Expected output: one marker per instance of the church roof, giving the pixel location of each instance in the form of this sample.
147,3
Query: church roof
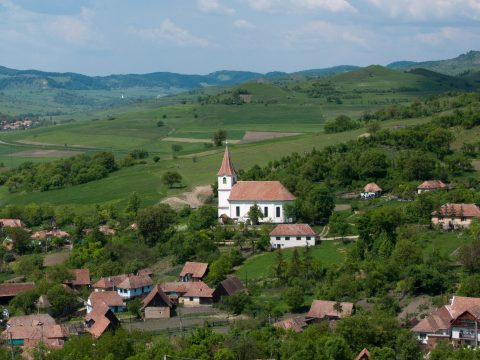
260,191
226,169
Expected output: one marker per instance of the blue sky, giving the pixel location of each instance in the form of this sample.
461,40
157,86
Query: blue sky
98,37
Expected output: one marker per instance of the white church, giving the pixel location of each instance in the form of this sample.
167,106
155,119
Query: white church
235,198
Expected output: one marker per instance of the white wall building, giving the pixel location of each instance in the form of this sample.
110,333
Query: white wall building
292,235
235,198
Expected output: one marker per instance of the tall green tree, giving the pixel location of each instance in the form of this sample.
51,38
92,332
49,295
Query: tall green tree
156,224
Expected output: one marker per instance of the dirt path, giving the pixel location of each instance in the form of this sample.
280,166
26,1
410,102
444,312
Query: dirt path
251,136
194,198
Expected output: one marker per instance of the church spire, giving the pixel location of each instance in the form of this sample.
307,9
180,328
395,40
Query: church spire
226,169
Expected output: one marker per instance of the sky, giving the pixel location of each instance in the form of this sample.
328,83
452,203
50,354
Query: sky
99,37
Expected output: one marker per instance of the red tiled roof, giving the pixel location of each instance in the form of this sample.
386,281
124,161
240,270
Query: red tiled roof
12,289
461,303
372,187
431,184
296,324
226,169
458,210
156,291
33,328
364,354
146,271
42,234
111,298
82,277
135,282
110,281
260,191
232,285
15,223
30,320
197,269
292,230
196,288
438,320
322,308
99,316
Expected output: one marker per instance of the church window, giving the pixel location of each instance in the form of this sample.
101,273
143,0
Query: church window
278,211
238,211
224,180
265,211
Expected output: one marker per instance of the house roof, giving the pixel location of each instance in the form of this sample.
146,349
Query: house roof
372,187
197,269
196,288
111,298
42,234
135,282
12,289
461,303
431,185
15,223
260,191
232,285
293,230
364,354
156,292
31,320
296,324
35,332
145,271
100,320
466,210
110,281
226,169
82,277
438,320
322,308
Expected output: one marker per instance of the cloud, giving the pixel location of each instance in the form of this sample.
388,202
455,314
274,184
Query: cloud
330,5
243,24
262,5
439,37
169,32
214,6
316,32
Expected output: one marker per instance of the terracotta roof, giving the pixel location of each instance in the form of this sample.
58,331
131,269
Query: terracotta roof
135,282
322,308
232,285
34,328
196,288
146,271
197,269
461,303
431,185
372,187
292,230
296,324
99,318
15,223
31,320
466,210
82,277
260,191
110,281
12,289
226,169
42,234
438,320
156,291
111,298
364,354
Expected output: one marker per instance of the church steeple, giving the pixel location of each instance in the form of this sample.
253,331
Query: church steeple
226,169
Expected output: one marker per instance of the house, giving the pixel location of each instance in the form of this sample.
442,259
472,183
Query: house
292,235
430,185
12,223
329,310
455,216
370,191
189,293
235,198
193,271
109,283
145,272
100,320
156,304
81,277
363,355
134,286
9,290
29,330
296,324
42,234
110,298
454,322
228,287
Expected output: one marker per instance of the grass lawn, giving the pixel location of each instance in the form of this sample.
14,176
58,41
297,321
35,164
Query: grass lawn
446,242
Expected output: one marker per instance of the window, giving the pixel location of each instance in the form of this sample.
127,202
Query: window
278,238
278,211
224,180
287,237
238,211
463,218
299,238
265,211
308,238
190,298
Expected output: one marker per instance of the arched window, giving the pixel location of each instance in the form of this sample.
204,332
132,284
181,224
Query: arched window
224,180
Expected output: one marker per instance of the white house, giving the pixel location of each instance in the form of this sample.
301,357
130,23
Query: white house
235,198
292,235
134,286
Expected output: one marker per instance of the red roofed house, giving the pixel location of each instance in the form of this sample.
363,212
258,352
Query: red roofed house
100,320
189,293
13,223
292,235
193,271
110,298
134,286
81,277
9,290
363,355
109,283
430,185
296,324
455,216
156,305
371,190
327,310
235,198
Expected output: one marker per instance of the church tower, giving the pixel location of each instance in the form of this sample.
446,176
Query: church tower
226,179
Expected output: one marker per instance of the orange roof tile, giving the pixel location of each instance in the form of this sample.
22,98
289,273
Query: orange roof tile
197,288
438,320
293,230
197,269
99,318
226,169
156,291
296,324
322,308
461,303
458,210
82,277
364,354
12,289
15,223
431,185
111,298
372,187
110,281
135,282
260,191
